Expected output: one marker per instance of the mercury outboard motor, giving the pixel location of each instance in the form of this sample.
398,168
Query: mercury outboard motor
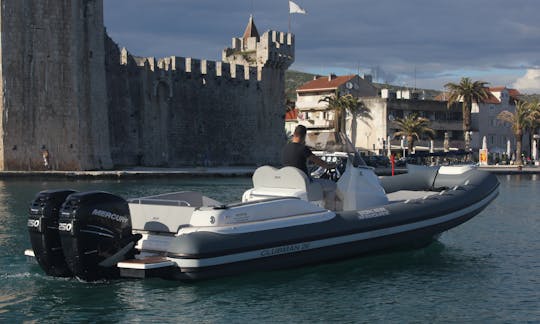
43,230
95,230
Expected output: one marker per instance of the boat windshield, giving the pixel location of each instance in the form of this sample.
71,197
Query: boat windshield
333,142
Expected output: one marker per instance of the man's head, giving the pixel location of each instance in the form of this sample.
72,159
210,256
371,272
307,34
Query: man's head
299,135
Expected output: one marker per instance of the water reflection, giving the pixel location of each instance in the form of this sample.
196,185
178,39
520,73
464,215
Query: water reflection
9,300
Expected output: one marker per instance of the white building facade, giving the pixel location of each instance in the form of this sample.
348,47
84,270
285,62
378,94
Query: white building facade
312,112
371,135
485,121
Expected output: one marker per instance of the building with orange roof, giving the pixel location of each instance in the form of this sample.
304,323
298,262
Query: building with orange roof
312,112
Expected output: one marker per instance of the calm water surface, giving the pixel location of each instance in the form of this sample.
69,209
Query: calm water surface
486,270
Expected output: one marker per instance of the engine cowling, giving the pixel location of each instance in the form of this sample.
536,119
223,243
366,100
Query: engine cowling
95,231
43,230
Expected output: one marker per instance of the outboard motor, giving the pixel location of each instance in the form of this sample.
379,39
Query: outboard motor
43,230
95,230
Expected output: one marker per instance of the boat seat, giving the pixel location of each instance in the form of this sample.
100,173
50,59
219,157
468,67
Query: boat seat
287,181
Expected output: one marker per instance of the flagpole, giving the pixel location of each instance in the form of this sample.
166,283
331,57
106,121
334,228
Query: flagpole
289,6
290,22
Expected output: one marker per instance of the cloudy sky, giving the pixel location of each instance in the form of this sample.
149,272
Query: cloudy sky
422,43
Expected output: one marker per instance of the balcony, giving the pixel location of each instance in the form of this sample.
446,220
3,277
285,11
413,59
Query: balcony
316,123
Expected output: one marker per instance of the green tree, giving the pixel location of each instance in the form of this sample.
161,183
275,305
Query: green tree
521,120
467,92
413,128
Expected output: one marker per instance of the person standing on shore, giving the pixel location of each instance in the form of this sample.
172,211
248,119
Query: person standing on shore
45,155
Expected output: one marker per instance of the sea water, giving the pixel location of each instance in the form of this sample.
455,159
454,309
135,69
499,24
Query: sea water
486,271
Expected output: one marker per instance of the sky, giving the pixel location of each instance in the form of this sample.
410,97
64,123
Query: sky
413,43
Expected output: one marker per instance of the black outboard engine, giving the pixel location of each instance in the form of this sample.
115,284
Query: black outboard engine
43,230
95,230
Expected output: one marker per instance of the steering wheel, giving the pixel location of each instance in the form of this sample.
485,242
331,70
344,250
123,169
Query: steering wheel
315,171
332,174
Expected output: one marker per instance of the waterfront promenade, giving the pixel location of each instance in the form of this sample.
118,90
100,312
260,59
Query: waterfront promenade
234,171
137,172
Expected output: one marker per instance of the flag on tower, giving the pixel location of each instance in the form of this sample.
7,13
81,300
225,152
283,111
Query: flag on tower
294,8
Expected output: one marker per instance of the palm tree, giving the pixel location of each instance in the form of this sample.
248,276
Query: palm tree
340,105
467,92
522,119
413,127
535,122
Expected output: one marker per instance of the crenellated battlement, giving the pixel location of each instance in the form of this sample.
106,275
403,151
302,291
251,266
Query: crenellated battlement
176,66
244,60
276,49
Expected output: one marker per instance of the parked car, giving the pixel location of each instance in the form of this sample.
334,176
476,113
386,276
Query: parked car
377,161
403,161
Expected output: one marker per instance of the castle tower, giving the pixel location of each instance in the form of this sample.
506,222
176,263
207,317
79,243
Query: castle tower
271,53
273,49
250,33
53,85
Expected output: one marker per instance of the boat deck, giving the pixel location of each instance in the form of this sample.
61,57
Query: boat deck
404,195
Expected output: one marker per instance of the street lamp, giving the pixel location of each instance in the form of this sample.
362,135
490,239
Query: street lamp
368,134
534,154
403,144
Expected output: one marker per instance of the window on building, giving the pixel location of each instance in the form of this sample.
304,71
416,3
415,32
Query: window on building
457,136
440,115
396,113
439,134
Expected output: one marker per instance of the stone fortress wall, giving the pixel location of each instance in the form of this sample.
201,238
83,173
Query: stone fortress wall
69,88
53,91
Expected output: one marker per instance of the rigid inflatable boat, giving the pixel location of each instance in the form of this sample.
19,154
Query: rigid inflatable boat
285,220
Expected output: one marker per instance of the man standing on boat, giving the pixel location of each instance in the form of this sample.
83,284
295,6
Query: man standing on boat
296,154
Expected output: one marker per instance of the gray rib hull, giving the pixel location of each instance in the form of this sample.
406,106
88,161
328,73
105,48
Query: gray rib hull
413,222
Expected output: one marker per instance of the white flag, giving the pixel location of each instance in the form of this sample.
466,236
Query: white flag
294,8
